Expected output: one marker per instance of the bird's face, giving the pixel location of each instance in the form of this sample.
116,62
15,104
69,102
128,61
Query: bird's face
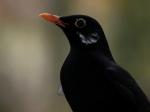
81,31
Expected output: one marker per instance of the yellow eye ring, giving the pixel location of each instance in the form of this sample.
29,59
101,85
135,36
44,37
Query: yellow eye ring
80,23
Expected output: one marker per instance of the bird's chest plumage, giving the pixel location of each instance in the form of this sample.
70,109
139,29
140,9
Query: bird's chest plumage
81,71
84,83
82,80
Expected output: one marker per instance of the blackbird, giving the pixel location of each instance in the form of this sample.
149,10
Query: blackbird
91,79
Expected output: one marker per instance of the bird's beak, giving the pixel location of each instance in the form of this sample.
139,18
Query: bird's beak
52,18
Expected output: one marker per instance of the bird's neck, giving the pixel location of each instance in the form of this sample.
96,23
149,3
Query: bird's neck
102,49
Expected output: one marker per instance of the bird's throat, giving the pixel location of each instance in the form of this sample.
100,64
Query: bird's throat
89,39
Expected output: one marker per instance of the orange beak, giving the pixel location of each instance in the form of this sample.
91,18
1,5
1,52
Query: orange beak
52,18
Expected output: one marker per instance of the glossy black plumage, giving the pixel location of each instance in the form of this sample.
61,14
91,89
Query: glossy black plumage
91,80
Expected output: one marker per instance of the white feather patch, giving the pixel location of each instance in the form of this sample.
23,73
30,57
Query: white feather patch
88,40
60,91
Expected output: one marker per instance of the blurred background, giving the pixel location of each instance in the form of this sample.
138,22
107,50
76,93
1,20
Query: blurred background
32,51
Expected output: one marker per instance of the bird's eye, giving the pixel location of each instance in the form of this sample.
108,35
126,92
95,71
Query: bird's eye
80,23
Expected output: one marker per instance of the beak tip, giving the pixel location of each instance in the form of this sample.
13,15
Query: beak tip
40,15
44,14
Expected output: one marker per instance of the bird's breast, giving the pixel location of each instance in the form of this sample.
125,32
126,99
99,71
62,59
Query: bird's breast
80,67
82,72
84,83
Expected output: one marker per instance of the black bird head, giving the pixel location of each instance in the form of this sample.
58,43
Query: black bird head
83,32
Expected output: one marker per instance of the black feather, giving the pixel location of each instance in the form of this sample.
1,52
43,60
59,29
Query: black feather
91,79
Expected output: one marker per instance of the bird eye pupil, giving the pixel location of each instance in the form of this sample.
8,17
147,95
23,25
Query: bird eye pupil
80,23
